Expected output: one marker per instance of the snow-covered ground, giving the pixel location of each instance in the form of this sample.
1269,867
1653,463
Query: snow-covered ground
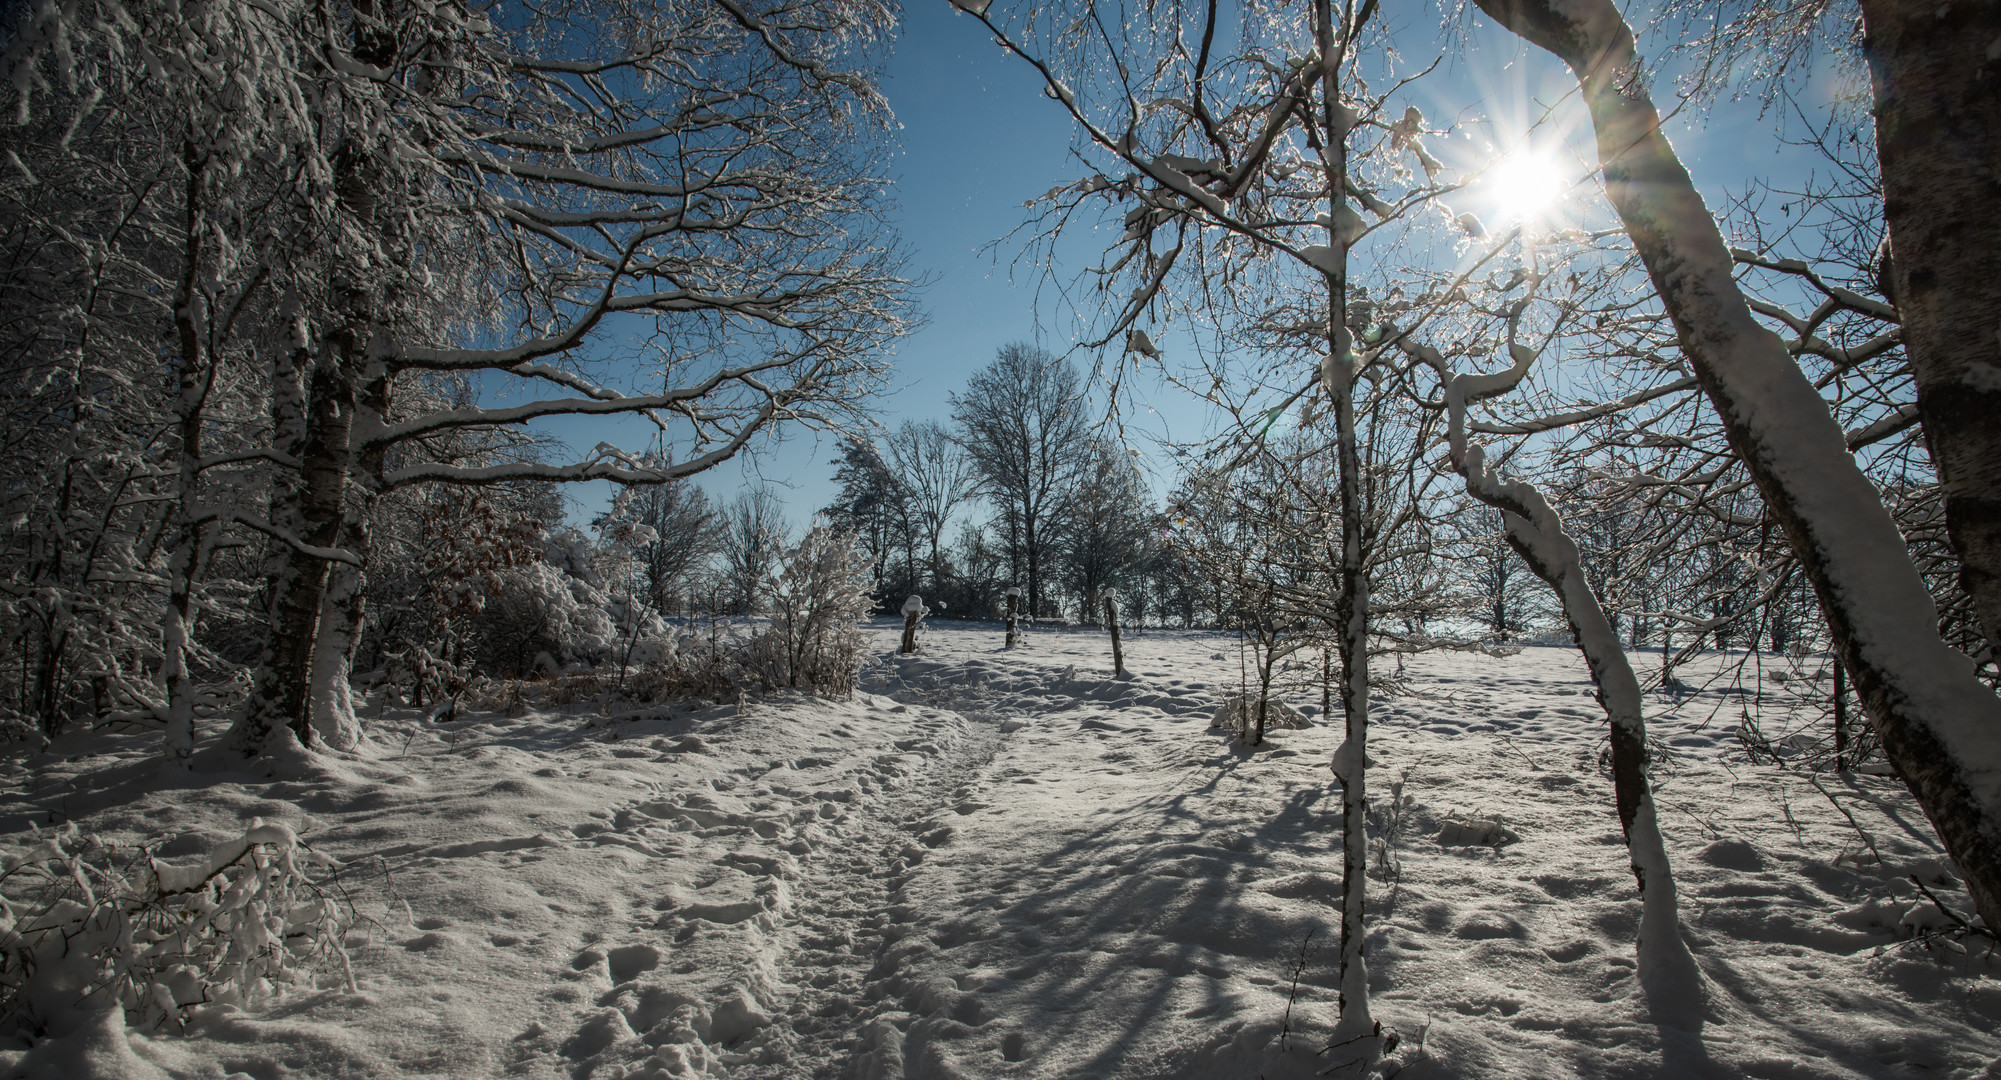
1009,864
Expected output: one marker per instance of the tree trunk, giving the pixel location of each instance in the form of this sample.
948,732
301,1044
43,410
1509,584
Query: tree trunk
1267,662
1034,567
1668,974
1013,625
1933,69
334,719
196,375
1112,621
313,512
294,670
1357,1023
1840,718
1935,718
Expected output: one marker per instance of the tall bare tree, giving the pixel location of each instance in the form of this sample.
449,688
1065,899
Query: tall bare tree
753,537
936,477
1022,421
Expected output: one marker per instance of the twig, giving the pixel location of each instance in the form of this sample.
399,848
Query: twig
1299,965
1857,826
1786,806
1511,745
1695,817
1967,927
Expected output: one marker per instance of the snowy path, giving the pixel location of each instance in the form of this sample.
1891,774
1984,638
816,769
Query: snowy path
1079,918
1008,866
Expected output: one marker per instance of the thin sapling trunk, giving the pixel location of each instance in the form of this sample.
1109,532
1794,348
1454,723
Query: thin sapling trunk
1112,621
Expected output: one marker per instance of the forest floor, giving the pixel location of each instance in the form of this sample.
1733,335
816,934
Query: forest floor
999,864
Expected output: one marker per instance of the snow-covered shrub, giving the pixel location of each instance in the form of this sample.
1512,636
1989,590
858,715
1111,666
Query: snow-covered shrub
427,676
1239,713
542,608
696,669
814,638
84,925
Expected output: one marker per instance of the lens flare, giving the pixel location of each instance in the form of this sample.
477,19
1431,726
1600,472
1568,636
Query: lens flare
1524,185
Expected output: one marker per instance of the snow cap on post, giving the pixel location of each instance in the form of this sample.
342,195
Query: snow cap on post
914,605
1013,590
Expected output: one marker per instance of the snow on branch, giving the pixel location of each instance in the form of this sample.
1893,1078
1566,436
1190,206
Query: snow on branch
84,922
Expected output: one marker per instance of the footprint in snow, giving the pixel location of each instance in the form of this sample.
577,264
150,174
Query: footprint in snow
628,962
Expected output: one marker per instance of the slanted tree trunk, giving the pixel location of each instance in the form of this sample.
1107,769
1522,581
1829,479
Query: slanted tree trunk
1934,69
1937,721
1668,973
1840,718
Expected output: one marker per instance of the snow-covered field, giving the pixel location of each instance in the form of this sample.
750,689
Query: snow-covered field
1008,864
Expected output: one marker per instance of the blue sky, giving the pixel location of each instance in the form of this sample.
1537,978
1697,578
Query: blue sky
978,139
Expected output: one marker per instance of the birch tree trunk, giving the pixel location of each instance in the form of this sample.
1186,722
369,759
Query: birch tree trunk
311,510
298,669
1940,726
1668,974
334,719
1938,144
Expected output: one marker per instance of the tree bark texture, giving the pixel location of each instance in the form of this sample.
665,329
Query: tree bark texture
1936,73
313,511
334,718
1840,717
177,625
1940,726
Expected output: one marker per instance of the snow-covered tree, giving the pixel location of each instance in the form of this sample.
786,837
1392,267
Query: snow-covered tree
393,202
1933,715
871,504
813,639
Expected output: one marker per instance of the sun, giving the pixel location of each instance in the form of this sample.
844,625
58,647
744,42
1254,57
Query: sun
1524,185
